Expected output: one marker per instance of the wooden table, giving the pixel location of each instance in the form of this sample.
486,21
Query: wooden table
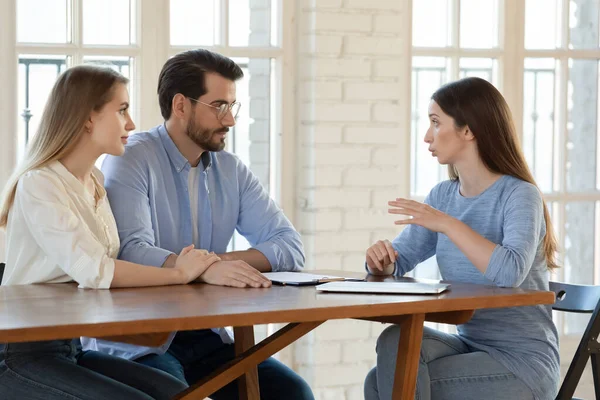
46,312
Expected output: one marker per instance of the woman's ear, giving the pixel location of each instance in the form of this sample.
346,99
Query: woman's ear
89,125
467,134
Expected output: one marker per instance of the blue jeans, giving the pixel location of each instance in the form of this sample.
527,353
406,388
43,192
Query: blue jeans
448,370
195,354
59,370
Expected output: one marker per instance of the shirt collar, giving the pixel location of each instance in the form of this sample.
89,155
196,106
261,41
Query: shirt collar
58,168
177,159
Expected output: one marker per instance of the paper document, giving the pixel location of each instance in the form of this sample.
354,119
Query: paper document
384,287
303,278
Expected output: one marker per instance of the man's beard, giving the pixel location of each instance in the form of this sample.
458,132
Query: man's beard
204,137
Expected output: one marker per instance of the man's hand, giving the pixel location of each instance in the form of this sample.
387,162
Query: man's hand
235,274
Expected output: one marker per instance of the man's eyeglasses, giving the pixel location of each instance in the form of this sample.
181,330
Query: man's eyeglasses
223,109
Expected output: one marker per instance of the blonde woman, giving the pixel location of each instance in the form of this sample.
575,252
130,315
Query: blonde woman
60,228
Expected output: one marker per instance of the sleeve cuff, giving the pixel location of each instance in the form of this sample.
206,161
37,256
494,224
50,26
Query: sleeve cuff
493,268
154,256
109,273
273,254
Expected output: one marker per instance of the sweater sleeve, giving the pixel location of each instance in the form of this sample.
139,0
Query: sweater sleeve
524,230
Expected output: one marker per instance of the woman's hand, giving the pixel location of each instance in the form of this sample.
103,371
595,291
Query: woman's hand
192,263
380,256
420,214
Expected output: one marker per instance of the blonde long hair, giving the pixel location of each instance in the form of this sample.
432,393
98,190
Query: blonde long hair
77,92
476,103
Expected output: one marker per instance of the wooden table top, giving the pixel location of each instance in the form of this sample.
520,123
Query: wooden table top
55,311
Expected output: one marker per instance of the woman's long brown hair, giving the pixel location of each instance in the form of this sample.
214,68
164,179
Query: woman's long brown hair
476,103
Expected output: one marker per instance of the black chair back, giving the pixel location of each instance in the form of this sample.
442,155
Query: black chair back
575,298
580,299
2,265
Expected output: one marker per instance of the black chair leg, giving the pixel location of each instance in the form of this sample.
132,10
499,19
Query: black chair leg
595,359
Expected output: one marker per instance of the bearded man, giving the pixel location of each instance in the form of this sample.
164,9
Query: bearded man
176,186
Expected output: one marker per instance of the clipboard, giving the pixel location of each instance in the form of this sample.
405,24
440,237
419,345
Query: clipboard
303,278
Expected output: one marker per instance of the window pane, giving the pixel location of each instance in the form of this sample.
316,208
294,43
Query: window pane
428,74
542,24
540,142
582,126
431,26
251,139
36,76
120,64
579,255
485,68
194,22
583,24
479,24
43,21
107,22
251,22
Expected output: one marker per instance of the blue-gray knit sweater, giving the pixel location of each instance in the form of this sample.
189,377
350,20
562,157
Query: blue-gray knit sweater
510,214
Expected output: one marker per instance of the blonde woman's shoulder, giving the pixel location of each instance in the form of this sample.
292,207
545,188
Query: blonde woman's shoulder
41,179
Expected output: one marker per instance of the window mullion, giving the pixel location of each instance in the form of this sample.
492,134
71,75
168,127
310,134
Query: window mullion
77,31
8,94
455,39
154,40
223,26
511,64
560,164
564,25
455,23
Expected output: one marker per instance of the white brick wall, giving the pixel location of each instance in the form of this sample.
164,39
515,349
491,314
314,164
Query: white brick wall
350,129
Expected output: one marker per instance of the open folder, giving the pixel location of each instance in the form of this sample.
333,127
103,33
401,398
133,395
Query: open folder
303,279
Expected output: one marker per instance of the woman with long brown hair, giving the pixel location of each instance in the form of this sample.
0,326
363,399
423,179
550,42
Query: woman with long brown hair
487,225
60,228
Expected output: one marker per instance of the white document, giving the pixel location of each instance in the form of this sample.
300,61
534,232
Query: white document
384,287
302,278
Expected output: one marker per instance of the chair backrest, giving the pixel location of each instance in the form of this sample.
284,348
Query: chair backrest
580,299
2,265
575,298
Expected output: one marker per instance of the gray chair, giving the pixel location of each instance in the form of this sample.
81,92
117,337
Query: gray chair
580,299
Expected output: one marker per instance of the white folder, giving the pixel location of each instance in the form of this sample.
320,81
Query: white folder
384,287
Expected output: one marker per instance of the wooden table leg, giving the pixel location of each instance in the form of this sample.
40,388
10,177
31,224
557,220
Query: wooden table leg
407,361
247,361
247,383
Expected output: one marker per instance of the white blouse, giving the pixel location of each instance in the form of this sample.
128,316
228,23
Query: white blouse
57,232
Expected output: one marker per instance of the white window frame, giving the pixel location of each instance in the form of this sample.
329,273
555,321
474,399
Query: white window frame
150,51
511,54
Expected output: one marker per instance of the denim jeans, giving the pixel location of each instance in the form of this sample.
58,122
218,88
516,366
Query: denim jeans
59,370
195,354
448,370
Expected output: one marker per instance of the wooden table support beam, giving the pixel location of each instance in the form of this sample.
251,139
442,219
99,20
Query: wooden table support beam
248,360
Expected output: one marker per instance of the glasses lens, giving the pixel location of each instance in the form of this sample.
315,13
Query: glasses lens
223,109
235,109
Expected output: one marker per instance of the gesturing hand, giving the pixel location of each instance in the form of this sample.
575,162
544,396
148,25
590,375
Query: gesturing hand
420,214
